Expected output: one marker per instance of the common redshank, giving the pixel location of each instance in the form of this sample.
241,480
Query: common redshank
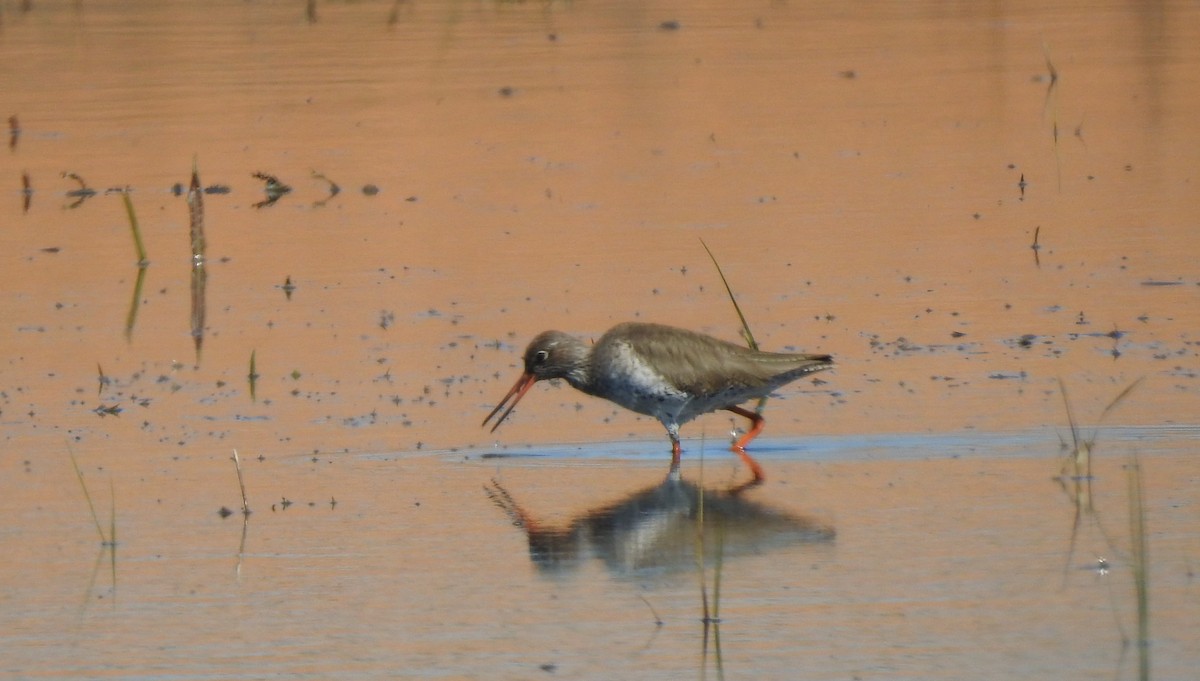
666,372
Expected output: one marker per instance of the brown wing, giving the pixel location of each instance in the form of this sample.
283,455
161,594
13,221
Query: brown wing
702,365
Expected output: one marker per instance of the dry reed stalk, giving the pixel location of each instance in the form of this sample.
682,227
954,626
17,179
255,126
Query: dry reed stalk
195,201
237,463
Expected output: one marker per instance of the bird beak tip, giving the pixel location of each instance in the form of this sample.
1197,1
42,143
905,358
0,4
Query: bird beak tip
523,384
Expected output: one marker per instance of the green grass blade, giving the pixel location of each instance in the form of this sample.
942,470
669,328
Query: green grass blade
745,327
746,332
133,226
135,303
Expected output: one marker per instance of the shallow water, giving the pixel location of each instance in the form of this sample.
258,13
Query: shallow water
872,182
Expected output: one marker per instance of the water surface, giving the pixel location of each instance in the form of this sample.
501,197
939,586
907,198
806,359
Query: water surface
873,181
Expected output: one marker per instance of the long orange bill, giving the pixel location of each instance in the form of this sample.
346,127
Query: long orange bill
522,386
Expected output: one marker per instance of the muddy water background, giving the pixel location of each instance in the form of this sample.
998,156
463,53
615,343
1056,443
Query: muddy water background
857,171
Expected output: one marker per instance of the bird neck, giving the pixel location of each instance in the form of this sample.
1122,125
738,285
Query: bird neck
579,372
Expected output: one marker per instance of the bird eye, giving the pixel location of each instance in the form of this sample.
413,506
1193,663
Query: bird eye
541,356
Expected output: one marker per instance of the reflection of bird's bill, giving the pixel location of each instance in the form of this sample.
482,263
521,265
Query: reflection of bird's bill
522,386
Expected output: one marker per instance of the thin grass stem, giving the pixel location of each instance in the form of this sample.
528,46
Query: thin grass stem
749,336
133,227
237,463
86,495
1140,561
746,332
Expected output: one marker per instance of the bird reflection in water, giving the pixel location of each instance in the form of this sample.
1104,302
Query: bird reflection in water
654,529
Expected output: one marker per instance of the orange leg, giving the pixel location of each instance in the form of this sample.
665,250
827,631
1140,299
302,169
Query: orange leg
757,424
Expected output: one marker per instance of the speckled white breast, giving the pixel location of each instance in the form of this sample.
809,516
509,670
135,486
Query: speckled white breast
632,383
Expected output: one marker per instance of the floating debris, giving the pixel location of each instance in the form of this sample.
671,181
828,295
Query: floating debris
273,188
1007,375
178,189
334,189
108,410
26,192
14,132
288,287
82,193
